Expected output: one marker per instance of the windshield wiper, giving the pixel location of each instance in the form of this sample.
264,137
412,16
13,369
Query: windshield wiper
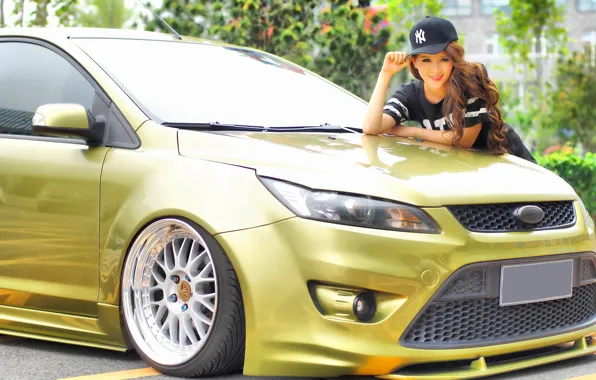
325,127
217,126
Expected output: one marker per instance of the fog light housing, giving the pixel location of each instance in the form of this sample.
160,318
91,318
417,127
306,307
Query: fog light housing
364,306
348,304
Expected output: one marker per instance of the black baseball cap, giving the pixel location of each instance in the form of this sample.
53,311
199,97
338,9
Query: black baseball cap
431,35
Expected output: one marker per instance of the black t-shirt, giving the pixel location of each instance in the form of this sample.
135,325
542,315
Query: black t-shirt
410,103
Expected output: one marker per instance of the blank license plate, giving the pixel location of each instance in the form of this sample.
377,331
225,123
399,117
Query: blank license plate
527,283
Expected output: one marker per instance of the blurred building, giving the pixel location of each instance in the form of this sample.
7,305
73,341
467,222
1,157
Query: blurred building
474,20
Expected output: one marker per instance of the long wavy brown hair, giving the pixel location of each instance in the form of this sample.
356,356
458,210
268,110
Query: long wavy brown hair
470,80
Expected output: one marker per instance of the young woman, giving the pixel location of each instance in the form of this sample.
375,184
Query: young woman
453,100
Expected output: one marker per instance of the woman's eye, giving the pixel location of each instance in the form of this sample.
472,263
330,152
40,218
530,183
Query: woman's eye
445,60
426,60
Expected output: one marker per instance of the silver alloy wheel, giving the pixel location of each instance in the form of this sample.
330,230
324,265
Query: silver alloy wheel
169,292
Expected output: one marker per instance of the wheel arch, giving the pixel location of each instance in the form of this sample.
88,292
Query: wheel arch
230,293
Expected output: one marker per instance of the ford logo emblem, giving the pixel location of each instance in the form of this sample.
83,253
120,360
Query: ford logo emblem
529,214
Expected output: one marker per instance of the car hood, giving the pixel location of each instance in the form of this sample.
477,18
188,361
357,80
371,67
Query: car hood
423,174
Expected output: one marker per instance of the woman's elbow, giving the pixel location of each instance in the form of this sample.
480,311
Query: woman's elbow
469,136
465,142
367,129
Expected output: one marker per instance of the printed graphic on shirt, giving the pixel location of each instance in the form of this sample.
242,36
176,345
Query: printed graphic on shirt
409,103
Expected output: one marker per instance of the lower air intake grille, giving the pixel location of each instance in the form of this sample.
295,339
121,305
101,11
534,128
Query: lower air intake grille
478,321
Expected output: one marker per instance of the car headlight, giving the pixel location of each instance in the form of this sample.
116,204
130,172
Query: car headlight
356,210
587,218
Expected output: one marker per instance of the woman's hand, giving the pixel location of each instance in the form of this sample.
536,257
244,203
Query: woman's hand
395,62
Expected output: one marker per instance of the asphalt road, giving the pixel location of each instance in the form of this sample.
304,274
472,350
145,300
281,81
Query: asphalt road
25,359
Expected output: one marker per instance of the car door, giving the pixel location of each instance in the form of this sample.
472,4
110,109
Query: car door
49,186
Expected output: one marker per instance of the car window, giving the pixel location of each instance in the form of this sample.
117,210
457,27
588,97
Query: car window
32,75
182,82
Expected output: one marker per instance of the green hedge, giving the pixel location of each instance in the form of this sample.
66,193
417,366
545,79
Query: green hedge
578,171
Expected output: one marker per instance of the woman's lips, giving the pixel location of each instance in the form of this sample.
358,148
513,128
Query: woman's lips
436,78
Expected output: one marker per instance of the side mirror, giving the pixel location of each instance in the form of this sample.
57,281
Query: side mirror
69,120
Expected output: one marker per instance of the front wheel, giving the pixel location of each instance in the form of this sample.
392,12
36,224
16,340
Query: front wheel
182,306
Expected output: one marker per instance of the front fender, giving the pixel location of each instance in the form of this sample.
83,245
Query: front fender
139,186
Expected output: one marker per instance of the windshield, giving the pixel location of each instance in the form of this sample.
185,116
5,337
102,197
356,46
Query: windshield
199,83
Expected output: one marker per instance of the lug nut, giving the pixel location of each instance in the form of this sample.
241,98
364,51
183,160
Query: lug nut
184,307
173,298
176,279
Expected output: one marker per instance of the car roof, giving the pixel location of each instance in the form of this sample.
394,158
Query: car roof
64,33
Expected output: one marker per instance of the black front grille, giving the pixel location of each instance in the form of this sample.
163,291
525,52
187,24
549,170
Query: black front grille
452,323
499,217
465,311
471,283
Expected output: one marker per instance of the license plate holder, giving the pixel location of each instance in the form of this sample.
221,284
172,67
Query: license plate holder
536,282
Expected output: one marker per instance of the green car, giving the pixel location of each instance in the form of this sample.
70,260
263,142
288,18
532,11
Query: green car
217,209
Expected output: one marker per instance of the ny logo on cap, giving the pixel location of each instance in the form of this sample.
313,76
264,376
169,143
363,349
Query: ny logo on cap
420,36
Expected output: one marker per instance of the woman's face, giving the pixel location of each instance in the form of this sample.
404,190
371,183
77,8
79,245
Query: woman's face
434,69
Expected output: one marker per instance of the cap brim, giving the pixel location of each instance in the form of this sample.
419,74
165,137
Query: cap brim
429,49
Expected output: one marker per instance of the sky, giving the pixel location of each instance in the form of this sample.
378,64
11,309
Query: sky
52,21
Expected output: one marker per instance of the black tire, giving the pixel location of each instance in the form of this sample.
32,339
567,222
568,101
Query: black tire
223,351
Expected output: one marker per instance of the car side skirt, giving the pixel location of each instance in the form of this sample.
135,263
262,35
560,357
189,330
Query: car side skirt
102,332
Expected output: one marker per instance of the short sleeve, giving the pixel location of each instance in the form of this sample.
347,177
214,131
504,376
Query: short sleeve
475,112
397,105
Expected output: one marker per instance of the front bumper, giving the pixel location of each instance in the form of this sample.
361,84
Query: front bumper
288,336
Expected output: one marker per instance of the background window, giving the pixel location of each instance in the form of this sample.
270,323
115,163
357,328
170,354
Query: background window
487,7
589,38
457,7
544,46
586,5
492,44
32,75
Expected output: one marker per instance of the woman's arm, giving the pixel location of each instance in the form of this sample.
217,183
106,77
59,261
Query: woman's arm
376,122
441,137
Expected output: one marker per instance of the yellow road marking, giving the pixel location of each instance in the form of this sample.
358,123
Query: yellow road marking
120,375
586,377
